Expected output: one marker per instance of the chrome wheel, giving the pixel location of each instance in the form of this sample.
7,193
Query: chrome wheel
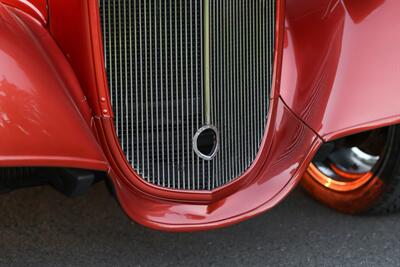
351,162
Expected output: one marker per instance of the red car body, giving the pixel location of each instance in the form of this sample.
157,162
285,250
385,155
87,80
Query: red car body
336,73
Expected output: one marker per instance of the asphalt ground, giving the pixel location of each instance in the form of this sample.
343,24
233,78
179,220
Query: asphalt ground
40,227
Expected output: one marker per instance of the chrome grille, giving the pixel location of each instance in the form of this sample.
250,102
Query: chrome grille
155,60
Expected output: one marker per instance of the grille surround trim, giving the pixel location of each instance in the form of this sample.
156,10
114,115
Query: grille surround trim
223,185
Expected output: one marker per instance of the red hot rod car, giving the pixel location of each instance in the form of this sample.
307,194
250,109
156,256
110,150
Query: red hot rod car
201,114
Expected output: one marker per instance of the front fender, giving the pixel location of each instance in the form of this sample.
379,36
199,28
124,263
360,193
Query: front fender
44,117
341,65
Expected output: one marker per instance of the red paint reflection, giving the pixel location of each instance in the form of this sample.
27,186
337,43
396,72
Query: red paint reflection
361,9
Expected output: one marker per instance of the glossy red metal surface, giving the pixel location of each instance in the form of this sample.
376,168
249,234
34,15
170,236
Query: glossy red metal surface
340,70
71,28
44,118
35,8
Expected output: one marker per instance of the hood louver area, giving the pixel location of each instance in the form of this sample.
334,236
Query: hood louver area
177,67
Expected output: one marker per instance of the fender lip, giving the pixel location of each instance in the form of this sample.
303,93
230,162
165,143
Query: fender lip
293,146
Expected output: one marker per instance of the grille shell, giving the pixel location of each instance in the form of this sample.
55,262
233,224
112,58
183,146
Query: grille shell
154,57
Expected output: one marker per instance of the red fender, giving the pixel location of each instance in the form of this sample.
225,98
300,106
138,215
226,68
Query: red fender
44,117
341,59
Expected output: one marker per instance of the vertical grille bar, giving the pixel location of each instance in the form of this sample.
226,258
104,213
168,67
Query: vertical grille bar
155,63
